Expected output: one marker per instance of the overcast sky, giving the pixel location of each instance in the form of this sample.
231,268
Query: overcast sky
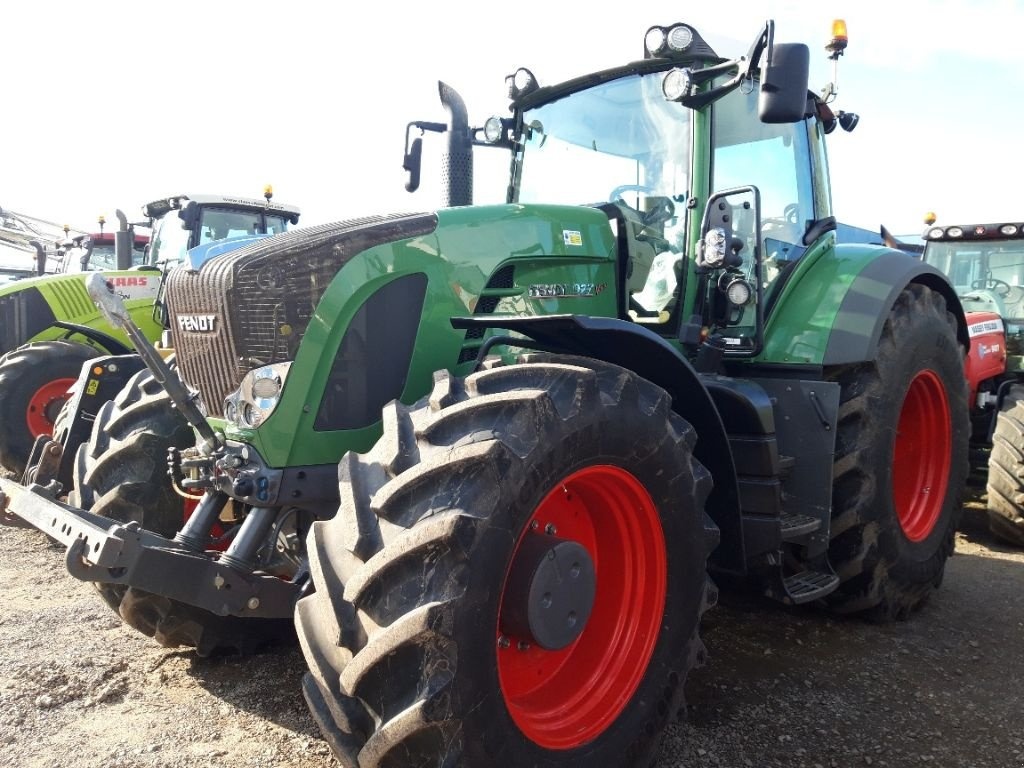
110,104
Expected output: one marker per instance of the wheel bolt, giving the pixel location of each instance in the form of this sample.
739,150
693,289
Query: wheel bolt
503,642
522,645
550,529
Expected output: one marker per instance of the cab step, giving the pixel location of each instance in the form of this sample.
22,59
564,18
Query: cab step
807,586
795,526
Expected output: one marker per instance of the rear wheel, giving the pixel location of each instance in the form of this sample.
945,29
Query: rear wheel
34,383
901,461
121,473
518,568
1006,470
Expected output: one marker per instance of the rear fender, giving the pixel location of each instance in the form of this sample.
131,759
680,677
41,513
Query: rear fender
833,310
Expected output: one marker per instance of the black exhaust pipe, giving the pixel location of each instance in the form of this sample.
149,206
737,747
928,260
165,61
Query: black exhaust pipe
124,241
457,162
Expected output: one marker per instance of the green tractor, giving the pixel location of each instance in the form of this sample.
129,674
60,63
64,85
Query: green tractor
487,456
985,263
49,327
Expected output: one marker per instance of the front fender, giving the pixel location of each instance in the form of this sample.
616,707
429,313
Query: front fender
651,357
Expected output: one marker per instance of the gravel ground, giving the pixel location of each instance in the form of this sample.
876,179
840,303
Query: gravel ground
783,687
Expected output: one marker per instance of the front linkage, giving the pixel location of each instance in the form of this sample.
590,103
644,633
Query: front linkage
106,551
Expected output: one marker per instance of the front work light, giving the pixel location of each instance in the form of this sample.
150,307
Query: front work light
676,84
679,38
494,130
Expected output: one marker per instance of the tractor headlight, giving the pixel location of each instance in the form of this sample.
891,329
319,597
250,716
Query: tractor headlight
257,396
654,40
736,289
494,130
679,38
676,84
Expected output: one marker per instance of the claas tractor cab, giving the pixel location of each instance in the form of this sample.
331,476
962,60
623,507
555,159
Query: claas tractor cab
985,264
102,250
486,457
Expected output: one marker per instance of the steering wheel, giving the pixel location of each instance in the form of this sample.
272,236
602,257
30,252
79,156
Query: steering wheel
790,217
616,194
657,214
1001,287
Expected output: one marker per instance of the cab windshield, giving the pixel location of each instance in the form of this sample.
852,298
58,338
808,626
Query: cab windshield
170,240
983,272
617,141
221,223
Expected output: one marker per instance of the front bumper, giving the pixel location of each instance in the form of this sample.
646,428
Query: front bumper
111,552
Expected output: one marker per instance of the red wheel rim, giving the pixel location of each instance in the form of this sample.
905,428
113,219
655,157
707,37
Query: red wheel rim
921,456
45,404
565,698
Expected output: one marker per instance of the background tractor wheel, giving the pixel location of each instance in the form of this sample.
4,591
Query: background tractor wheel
1006,470
121,473
517,568
901,462
34,380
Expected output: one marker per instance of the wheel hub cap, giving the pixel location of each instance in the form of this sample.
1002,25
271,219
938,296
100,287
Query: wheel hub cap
550,592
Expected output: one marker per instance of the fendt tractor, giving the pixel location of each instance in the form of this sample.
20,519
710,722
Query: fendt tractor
49,328
985,263
487,455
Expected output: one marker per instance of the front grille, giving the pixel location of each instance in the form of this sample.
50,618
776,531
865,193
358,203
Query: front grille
263,296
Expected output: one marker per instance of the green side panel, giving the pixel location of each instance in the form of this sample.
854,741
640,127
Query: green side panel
69,301
563,246
805,314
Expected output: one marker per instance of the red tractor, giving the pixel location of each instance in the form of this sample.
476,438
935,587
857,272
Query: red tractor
985,263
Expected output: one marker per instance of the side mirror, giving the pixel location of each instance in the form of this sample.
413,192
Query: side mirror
411,163
784,76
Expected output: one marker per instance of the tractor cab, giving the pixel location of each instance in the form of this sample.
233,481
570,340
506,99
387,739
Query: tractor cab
712,173
985,263
203,219
203,226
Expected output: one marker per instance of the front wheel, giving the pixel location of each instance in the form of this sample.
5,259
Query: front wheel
518,568
121,473
901,461
1006,470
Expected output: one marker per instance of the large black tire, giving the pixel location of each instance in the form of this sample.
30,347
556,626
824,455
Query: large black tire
402,634
121,473
33,381
1006,470
901,462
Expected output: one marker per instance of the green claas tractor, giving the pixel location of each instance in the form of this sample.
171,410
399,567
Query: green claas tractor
49,327
488,455
985,263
